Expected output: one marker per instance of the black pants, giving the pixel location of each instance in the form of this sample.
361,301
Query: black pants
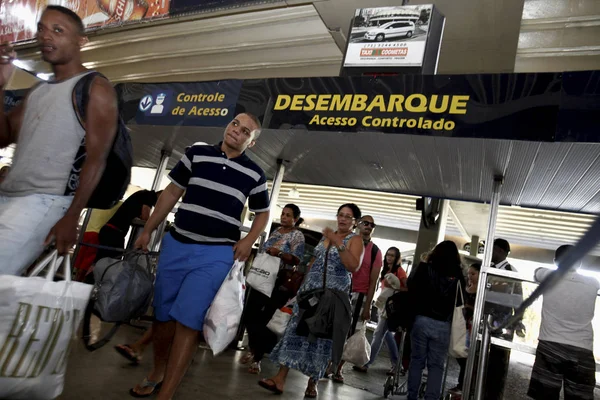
497,371
356,313
259,311
462,363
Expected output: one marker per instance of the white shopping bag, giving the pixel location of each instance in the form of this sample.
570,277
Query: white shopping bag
39,319
458,334
223,317
263,273
357,349
281,318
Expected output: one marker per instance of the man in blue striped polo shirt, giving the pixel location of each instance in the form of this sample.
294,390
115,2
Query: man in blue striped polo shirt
196,256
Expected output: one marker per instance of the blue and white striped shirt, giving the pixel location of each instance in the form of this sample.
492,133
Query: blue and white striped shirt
216,191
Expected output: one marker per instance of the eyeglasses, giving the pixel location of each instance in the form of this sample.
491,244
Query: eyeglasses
345,216
367,223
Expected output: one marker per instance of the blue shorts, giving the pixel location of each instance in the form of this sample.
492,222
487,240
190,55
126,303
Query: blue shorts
187,280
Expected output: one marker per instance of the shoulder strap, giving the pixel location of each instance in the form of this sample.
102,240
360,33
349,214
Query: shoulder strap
374,250
81,95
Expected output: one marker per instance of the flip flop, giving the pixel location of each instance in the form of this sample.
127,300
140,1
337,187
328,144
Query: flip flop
146,384
271,387
127,351
311,394
338,378
254,368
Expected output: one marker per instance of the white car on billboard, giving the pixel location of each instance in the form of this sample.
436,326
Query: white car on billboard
391,30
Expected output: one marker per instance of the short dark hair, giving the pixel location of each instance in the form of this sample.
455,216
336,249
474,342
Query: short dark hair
72,15
502,244
561,251
355,210
476,266
255,119
295,209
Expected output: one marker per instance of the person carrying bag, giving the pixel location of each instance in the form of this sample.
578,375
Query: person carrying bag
39,319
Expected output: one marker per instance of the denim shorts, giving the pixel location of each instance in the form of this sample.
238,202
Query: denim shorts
188,278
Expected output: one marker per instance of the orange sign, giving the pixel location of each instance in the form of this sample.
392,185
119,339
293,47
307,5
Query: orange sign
19,17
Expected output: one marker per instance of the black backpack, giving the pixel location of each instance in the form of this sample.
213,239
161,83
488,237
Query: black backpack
117,173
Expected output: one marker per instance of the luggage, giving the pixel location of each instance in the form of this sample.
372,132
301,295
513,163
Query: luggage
39,319
117,173
224,315
263,273
357,349
398,311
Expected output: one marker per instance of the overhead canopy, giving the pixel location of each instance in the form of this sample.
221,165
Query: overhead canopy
491,115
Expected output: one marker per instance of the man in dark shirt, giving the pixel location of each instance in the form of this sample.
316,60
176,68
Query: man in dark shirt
198,253
138,205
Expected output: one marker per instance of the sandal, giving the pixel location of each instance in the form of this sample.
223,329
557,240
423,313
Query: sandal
247,358
338,378
127,351
271,387
362,369
311,390
146,384
254,368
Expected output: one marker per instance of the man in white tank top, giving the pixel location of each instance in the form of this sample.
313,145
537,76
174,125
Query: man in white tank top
34,207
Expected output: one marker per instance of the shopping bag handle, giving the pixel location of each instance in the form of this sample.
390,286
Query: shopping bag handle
52,261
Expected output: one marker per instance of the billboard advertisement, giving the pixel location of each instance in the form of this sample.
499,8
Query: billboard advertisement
20,17
388,36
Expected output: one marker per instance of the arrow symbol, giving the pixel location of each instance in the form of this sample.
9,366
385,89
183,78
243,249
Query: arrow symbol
146,102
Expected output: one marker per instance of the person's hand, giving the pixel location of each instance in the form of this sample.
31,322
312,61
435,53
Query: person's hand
142,241
331,236
520,329
366,314
273,251
7,55
64,233
242,249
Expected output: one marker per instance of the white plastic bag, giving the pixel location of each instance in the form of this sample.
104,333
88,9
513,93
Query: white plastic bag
281,319
357,349
39,319
263,273
223,317
458,334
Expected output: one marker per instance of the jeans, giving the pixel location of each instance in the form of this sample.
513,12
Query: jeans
25,221
430,340
382,333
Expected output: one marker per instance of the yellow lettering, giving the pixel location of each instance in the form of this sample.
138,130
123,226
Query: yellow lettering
359,102
395,103
323,102
378,101
366,121
339,103
297,103
283,102
221,97
180,96
310,102
314,120
459,104
433,104
420,107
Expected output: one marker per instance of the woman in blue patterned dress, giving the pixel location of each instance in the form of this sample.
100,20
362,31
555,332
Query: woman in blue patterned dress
294,351
287,244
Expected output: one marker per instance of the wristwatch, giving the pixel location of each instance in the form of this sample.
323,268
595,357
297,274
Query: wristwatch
279,254
342,248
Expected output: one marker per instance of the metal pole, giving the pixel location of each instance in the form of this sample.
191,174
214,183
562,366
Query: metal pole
162,167
483,358
277,180
479,301
86,220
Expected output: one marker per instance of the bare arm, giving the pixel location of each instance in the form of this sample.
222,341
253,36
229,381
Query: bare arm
100,131
10,123
243,248
351,257
165,204
373,280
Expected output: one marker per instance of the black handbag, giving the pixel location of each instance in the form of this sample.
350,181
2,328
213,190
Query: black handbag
308,303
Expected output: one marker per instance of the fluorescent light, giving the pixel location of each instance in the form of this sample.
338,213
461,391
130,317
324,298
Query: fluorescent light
20,64
43,76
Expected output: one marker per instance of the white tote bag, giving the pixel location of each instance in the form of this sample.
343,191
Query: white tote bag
263,273
224,315
281,319
458,335
39,319
357,349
